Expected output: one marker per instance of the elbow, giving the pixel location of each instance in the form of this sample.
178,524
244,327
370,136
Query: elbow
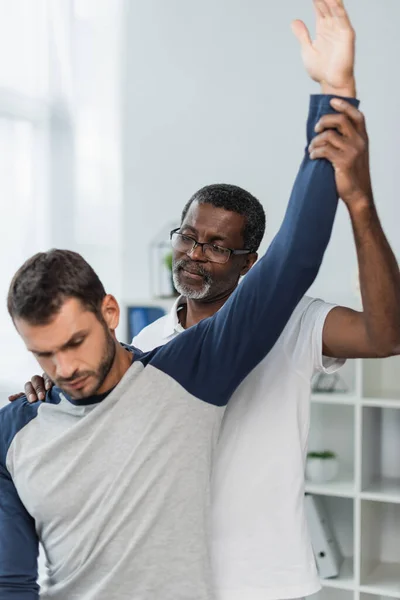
387,349
394,347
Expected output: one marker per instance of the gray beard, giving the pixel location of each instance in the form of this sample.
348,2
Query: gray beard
186,290
189,292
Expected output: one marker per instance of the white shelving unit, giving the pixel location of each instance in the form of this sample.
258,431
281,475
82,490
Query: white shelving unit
362,425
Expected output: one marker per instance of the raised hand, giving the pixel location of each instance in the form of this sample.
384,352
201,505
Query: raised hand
329,58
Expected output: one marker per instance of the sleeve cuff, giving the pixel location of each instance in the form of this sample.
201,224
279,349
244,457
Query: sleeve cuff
322,101
322,363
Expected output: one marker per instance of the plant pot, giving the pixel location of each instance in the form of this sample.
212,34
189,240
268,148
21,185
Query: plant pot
321,470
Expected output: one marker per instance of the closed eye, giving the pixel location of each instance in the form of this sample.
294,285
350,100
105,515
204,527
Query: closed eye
69,345
219,249
187,238
75,343
42,354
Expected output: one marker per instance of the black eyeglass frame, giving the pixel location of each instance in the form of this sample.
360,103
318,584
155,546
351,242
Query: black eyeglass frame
202,244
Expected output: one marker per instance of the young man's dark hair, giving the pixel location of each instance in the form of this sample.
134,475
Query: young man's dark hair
46,280
234,199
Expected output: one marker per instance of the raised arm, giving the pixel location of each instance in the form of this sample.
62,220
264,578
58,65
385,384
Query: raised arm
375,331
19,545
218,353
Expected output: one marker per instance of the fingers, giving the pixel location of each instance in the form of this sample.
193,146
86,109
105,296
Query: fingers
34,389
39,386
30,392
351,112
48,384
338,11
339,122
321,9
330,137
14,397
302,34
327,151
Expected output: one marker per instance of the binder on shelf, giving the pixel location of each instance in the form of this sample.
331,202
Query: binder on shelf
326,550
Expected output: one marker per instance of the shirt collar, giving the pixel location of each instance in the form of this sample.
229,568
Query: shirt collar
171,324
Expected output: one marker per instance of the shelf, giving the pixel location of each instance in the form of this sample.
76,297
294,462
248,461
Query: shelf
380,551
384,580
381,378
373,596
381,402
332,428
333,594
382,490
334,398
343,487
345,579
362,426
380,452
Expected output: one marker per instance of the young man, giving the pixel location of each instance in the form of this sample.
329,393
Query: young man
201,279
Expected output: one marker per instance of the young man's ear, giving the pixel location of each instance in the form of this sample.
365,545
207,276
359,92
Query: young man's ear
110,311
250,260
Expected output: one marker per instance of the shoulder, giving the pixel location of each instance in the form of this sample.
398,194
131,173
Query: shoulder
14,417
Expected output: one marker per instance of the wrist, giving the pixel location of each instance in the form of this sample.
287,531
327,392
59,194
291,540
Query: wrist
345,91
360,205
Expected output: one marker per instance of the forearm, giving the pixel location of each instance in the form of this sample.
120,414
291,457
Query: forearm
379,279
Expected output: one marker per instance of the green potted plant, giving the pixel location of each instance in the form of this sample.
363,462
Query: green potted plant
321,466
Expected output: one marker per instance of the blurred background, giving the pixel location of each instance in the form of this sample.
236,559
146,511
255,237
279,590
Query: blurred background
114,112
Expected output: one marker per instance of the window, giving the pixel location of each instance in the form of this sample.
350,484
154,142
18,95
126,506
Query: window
24,46
24,162
60,182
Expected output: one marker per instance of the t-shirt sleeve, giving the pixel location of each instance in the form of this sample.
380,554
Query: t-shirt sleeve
304,339
321,363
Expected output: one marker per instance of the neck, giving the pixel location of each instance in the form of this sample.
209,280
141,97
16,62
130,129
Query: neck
122,362
197,310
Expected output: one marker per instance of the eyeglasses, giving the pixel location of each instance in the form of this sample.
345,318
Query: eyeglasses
213,253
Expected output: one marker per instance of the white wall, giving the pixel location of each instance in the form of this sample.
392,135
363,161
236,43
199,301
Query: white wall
216,92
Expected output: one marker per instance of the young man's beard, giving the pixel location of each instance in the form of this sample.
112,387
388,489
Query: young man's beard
101,372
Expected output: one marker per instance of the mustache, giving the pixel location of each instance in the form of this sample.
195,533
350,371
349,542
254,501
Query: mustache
193,267
73,377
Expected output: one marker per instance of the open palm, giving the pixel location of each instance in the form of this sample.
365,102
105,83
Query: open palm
330,57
